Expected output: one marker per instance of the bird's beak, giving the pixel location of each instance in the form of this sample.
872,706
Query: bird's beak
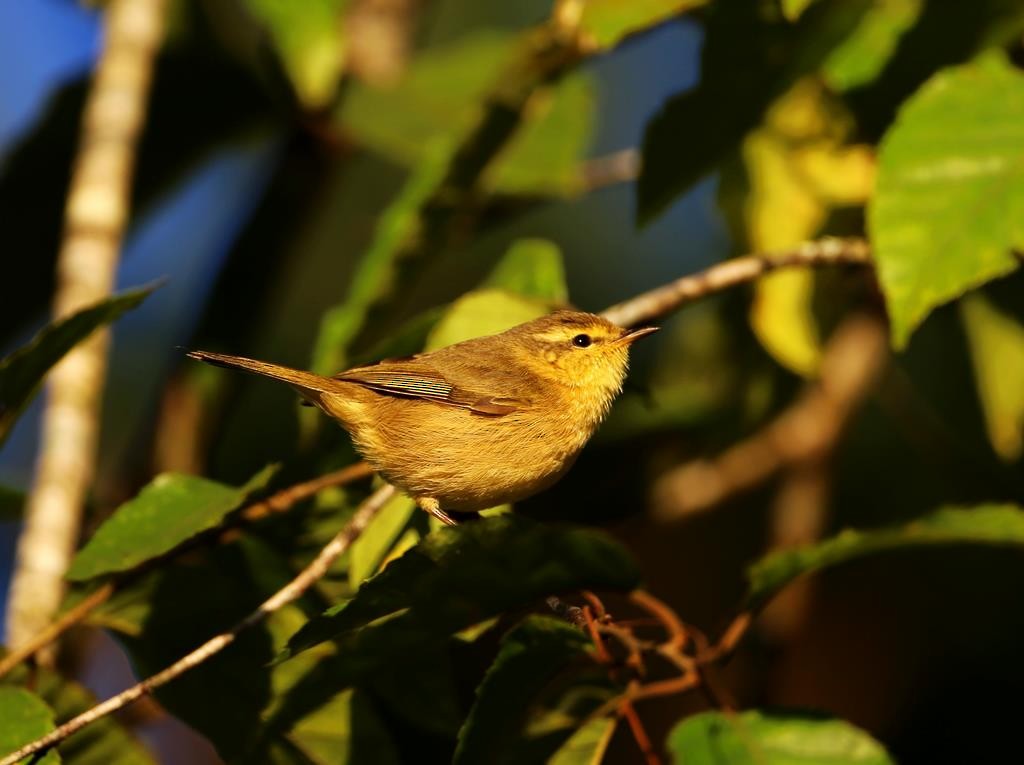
635,334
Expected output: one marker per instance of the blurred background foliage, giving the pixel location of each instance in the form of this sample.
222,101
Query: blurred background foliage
329,181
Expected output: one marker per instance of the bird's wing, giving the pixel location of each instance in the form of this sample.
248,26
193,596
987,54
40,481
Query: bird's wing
411,380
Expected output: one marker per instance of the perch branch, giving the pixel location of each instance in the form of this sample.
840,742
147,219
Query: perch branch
276,503
95,218
294,589
667,298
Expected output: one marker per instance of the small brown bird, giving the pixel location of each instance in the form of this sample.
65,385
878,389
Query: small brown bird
480,423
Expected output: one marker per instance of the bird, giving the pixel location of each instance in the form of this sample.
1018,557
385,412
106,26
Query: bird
480,423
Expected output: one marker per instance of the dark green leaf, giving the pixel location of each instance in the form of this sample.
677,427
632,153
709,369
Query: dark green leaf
12,503
761,738
949,204
22,371
24,717
171,509
697,129
462,575
987,524
542,685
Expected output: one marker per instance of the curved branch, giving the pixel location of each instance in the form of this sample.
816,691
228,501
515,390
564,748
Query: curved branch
667,298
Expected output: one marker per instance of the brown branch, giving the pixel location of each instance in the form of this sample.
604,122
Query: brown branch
283,500
96,215
669,297
804,433
294,589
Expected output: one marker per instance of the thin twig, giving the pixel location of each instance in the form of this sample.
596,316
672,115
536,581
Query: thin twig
669,297
96,215
366,512
276,503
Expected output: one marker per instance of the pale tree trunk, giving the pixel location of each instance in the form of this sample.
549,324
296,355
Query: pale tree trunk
95,219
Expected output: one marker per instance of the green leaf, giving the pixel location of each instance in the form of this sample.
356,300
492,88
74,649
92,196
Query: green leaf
483,312
607,22
531,268
587,746
12,503
695,130
542,685
986,524
996,342
768,738
22,371
862,57
441,98
24,717
170,510
309,39
462,575
948,210
372,546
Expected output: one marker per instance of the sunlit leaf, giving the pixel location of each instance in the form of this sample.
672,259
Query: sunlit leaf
372,546
22,371
986,525
696,129
860,58
170,510
483,312
460,576
996,342
762,738
309,39
24,717
587,746
949,208
531,268
796,168
606,22
542,684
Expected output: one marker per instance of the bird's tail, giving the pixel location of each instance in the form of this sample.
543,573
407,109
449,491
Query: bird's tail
309,385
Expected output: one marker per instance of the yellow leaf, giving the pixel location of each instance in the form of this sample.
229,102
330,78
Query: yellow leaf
798,166
996,343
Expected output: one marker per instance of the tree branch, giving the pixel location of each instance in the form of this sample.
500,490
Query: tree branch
295,588
95,220
669,297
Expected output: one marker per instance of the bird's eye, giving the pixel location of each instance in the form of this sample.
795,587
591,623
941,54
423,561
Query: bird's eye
581,341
